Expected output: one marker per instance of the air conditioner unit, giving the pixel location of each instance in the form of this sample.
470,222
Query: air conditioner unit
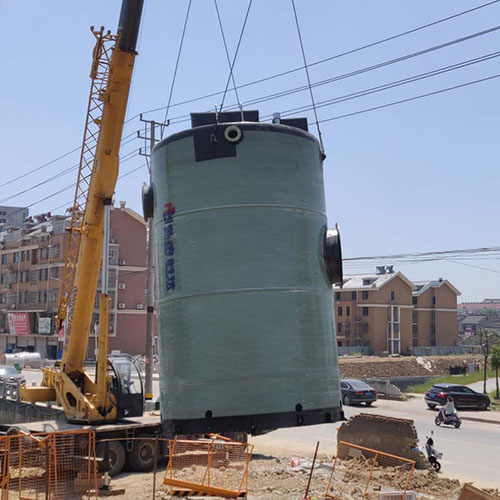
121,305
121,286
122,262
139,306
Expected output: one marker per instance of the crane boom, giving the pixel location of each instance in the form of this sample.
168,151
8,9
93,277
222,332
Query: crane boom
111,74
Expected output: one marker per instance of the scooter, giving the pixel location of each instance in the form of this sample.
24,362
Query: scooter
442,418
432,454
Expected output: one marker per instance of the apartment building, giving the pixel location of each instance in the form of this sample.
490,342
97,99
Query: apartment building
31,267
12,216
386,312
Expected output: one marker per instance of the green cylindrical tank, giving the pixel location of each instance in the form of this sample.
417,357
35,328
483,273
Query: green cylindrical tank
244,300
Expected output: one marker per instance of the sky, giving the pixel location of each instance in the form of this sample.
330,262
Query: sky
416,177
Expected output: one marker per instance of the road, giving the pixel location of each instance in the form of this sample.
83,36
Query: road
470,453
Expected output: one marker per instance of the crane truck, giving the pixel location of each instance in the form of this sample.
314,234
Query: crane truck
111,403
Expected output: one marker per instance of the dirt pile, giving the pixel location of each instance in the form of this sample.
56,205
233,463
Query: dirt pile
272,478
407,366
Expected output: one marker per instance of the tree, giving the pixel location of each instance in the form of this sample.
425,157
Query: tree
487,339
495,363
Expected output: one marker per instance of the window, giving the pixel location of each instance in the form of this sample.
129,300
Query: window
337,295
392,296
339,311
54,251
25,276
354,295
364,327
16,256
365,295
339,327
23,256
347,311
414,317
414,300
43,274
3,278
33,277
434,300
42,296
365,311
54,272
5,259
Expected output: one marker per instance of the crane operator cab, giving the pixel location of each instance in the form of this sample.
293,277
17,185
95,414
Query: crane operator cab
126,386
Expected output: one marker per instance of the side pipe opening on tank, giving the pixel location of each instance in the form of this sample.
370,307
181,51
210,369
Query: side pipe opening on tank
332,254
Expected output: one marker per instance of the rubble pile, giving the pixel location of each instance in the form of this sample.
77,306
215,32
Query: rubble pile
404,366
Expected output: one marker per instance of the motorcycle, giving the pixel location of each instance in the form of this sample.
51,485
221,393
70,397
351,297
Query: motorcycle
442,418
432,454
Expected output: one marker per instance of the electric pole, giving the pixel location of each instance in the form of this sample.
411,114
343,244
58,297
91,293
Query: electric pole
150,318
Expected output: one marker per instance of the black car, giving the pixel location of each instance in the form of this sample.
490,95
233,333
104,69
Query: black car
463,397
356,391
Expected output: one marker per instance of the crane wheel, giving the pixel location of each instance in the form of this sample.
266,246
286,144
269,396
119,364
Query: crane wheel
142,456
117,456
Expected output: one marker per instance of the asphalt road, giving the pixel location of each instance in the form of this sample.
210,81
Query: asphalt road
470,453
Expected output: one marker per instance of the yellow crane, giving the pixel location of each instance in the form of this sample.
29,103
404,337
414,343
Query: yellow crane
112,395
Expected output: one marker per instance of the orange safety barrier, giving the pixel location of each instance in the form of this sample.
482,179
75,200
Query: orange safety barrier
360,467
54,466
214,466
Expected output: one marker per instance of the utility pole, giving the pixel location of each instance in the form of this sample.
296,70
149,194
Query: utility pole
150,318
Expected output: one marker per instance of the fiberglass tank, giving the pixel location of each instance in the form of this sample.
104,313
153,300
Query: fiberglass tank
244,267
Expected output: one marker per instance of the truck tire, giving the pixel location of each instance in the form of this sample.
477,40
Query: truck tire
142,456
117,456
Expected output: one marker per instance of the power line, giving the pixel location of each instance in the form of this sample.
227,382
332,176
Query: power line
271,77
386,86
330,58
22,176
288,92
53,178
414,98
460,251
70,186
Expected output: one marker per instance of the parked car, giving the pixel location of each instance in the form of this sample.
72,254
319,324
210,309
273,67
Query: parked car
10,374
463,397
356,391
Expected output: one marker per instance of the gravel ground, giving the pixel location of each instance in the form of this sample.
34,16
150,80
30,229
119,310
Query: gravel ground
272,478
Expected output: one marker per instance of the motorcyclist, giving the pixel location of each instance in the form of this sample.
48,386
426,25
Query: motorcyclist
449,409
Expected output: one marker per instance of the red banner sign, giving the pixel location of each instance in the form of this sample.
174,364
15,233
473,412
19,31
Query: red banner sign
19,324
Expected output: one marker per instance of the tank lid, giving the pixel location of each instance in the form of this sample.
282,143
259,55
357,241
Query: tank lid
200,119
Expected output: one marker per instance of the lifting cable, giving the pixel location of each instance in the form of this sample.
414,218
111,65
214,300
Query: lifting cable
231,74
308,79
176,67
231,66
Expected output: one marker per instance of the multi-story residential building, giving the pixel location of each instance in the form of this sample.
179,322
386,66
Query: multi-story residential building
31,267
387,312
487,305
13,216
434,320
